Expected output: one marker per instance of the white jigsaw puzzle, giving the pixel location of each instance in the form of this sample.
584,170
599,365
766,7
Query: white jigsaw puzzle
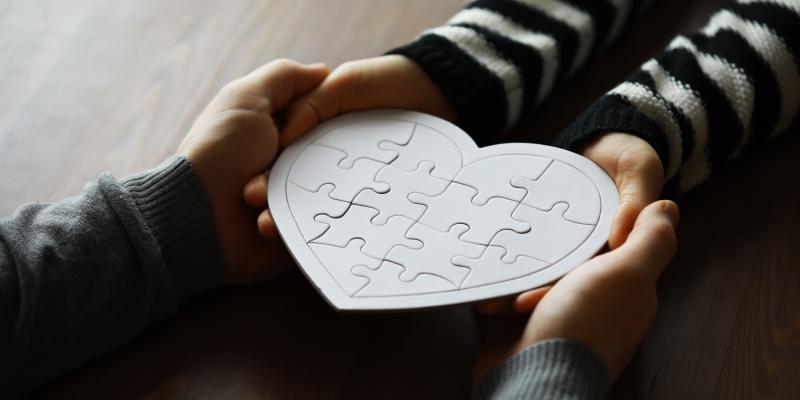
562,183
346,182
361,143
544,224
489,267
427,144
385,281
402,183
342,260
388,210
309,204
455,206
357,223
428,259
488,186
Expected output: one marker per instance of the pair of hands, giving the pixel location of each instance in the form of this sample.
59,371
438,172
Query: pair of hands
607,303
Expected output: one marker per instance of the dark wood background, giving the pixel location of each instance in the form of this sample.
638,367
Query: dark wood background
90,85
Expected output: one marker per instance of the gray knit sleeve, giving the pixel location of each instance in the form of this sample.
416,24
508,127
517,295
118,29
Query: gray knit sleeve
84,275
553,369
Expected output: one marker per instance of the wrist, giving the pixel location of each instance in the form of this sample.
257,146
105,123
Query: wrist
432,98
175,207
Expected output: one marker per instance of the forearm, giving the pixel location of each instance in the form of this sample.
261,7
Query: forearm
82,276
709,96
498,58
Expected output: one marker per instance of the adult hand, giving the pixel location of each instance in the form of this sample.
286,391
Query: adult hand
636,170
607,304
234,139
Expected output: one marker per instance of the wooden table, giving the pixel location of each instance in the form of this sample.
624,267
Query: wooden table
91,85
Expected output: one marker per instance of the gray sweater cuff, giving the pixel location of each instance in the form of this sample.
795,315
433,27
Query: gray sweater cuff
553,369
175,207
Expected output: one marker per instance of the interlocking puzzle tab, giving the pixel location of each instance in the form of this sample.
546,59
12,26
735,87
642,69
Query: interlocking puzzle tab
391,208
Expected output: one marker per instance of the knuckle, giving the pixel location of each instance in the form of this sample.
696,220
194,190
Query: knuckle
230,88
284,63
313,109
243,121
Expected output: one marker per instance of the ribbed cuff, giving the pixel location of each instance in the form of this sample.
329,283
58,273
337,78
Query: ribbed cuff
613,114
175,206
478,96
553,369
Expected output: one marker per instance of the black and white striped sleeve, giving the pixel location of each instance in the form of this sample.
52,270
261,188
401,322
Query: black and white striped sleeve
496,58
709,96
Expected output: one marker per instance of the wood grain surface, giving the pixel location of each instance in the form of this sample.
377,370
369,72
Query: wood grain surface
90,85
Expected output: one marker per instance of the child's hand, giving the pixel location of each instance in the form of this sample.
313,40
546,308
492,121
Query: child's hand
636,169
607,304
382,82
234,139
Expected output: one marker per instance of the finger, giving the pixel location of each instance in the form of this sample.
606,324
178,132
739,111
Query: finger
640,181
266,225
623,222
281,81
255,190
382,82
527,302
652,242
520,304
639,186
503,305
319,105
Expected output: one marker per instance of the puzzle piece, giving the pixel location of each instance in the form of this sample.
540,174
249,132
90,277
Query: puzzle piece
482,175
360,140
429,145
385,281
551,236
563,183
318,165
489,268
356,223
341,260
307,204
402,183
430,258
455,206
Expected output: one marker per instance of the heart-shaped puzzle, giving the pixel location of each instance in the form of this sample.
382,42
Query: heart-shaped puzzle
398,210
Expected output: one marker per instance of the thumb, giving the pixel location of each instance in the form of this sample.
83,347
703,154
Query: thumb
636,169
652,242
635,193
353,86
391,81
282,80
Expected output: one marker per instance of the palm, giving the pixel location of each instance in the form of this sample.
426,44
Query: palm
235,139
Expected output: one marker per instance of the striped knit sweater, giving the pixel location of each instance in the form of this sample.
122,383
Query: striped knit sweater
710,95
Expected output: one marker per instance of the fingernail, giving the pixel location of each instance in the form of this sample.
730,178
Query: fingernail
673,213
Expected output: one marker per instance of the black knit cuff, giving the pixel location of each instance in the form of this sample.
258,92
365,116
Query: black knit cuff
553,369
478,96
175,206
613,114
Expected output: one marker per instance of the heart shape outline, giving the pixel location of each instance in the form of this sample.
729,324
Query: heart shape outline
338,298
